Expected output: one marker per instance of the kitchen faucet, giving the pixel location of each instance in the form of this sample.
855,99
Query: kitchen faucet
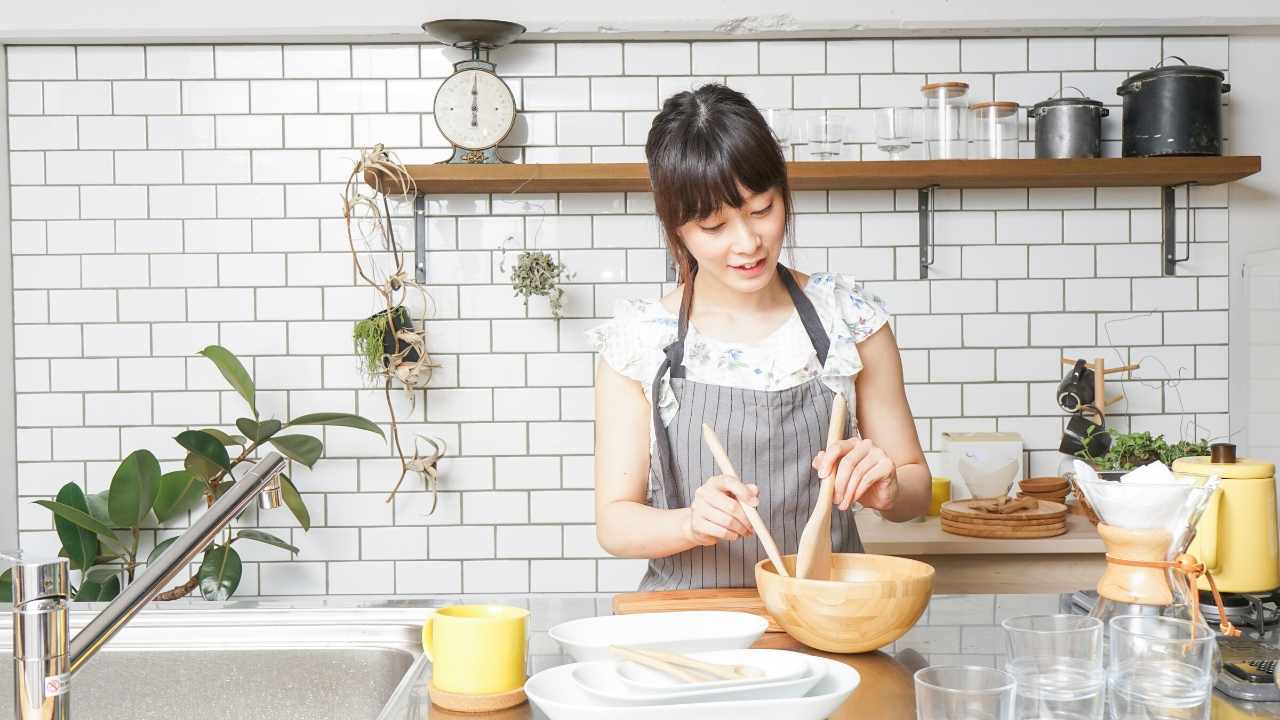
43,660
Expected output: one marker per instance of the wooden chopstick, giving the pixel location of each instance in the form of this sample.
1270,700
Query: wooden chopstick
724,672
674,671
757,523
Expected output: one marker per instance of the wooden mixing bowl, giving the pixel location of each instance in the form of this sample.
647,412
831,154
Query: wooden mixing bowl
870,600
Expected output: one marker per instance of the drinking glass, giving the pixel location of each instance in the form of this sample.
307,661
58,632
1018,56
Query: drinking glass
964,692
780,123
893,130
1057,663
1161,667
825,134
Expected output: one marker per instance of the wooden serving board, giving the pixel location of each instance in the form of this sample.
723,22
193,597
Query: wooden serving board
996,521
964,509
733,599
1004,532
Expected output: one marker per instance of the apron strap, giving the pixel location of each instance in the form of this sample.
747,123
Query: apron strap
673,362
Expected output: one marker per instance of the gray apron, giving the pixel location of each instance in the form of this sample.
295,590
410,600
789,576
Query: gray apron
770,436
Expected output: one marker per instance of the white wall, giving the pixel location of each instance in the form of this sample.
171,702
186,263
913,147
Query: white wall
169,197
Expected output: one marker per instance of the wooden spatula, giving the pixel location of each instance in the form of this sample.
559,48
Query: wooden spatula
813,559
757,523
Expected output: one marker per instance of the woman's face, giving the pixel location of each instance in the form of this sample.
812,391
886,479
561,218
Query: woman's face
739,246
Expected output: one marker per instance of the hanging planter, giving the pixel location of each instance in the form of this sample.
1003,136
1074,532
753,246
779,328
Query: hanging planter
383,346
537,273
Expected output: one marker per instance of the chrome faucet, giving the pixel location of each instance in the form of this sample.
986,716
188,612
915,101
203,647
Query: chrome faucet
43,660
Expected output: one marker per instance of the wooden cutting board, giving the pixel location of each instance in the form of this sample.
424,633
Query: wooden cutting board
996,521
732,599
964,509
1004,532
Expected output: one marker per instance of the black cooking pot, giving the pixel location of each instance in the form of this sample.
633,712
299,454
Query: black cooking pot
1068,127
1173,110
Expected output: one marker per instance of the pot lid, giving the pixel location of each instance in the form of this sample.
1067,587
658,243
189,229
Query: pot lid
1241,468
1162,70
1067,102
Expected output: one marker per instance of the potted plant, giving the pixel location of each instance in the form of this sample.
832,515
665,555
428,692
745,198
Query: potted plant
384,340
1130,450
101,533
537,273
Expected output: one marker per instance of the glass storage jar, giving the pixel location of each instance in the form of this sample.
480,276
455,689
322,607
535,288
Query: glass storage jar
993,129
943,112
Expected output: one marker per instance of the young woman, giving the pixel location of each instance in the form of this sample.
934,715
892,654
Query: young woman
751,348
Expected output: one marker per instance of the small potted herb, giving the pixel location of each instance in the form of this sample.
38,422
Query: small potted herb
537,273
1134,449
379,342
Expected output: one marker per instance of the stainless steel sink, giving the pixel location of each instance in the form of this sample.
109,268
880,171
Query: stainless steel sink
238,660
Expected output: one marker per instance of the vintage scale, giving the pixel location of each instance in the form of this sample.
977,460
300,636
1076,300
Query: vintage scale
474,109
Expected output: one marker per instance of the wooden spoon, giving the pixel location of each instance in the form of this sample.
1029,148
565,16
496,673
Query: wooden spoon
757,523
813,558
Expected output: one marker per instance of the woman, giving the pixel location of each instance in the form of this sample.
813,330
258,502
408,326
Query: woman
758,356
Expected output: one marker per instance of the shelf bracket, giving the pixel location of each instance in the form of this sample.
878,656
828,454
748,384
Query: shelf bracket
925,209
1169,228
420,237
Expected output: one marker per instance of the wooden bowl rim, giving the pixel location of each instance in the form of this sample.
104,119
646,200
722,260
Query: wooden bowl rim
926,571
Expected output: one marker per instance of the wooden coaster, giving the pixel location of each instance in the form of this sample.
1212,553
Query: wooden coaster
1003,522
964,509
459,702
1043,484
1010,533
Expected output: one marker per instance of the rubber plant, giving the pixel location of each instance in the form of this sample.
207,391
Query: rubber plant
100,533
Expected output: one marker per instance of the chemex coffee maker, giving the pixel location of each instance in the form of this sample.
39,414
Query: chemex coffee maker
1237,537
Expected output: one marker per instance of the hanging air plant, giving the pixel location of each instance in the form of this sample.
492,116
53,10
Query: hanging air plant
537,273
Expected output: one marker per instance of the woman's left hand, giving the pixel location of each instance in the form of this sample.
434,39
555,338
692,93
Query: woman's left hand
864,473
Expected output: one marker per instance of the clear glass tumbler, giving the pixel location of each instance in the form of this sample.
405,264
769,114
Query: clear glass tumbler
780,123
894,128
1161,667
825,136
964,692
1057,662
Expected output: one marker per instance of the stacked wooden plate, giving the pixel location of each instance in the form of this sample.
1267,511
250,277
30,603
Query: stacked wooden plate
961,517
1053,488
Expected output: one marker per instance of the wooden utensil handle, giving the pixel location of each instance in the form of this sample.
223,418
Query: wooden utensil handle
753,517
724,672
839,416
671,669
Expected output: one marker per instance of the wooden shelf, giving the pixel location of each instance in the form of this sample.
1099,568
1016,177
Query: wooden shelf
849,175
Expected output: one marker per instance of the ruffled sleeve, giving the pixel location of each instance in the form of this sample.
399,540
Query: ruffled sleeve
632,342
850,314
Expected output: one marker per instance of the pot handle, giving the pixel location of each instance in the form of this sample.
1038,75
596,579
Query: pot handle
1103,112
1226,88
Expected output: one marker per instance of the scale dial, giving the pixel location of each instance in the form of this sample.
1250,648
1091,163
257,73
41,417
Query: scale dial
474,109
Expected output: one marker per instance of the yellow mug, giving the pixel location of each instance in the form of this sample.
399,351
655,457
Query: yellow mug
940,495
476,649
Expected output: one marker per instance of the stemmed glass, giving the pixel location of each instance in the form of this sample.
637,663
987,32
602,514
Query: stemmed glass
893,130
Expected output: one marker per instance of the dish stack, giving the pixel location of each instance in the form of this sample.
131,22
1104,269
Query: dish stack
984,518
1053,489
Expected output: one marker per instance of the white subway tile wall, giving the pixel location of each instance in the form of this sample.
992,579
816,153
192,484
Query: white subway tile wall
168,197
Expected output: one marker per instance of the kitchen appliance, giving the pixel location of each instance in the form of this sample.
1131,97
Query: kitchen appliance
943,120
1237,539
474,109
1068,127
993,129
1173,110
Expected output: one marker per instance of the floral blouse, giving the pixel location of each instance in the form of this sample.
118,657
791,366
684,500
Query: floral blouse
632,344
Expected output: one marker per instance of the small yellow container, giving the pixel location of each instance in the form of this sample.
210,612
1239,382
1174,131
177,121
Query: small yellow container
941,495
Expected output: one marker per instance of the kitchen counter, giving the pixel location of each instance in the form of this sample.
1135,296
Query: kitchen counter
1064,563
960,629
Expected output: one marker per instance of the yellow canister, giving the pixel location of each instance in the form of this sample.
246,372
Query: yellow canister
1237,537
941,495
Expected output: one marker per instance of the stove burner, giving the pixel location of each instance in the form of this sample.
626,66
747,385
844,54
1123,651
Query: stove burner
1247,611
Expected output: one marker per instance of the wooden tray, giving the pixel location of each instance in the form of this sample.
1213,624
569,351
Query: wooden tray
964,509
1003,522
733,599
1004,532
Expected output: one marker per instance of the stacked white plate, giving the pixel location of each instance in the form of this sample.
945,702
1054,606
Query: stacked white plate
787,684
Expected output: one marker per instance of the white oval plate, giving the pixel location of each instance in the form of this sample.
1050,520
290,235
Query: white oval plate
589,639
774,665
601,681
556,694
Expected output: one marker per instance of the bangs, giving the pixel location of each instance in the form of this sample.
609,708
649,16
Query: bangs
704,173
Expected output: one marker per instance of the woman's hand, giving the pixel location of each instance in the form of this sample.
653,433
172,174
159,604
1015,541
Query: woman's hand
864,473
715,514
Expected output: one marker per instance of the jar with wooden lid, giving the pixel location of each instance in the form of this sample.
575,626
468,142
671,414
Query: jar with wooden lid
944,109
993,129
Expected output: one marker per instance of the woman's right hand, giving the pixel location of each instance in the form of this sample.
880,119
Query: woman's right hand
715,514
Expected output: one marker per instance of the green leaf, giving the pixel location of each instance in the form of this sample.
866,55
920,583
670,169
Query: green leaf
159,549
219,572
224,438
339,419
301,448
6,586
265,537
234,372
133,489
80,545
206,446
258,431
99,507
83,519
101,573
201,466
91,591
293,501
179,491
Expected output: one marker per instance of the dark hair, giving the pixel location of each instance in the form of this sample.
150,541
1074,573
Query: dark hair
700,146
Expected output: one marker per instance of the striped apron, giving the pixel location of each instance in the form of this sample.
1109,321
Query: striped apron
770,436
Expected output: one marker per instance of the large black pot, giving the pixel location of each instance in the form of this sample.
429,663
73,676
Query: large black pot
1173,110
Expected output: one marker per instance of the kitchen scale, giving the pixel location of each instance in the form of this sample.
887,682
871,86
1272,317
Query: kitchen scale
474,109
